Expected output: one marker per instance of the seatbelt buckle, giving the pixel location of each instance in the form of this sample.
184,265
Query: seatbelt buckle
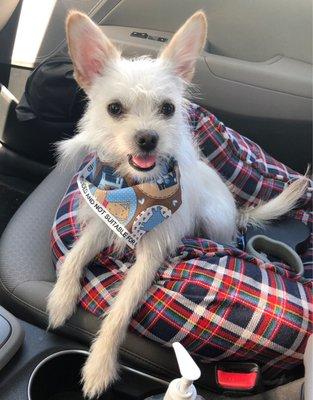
237,376
241,240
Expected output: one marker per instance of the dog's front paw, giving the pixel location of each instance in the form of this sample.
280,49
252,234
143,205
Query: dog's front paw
99,372
62,302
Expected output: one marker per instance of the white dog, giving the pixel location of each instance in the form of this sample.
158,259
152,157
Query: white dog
134,120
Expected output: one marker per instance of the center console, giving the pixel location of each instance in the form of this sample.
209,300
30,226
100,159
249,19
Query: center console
39,365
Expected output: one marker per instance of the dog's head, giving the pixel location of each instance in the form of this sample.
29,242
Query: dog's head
136,107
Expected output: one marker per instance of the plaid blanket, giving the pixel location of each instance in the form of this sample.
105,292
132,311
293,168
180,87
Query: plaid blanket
216,300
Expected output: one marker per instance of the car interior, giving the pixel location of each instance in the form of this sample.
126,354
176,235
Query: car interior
255,75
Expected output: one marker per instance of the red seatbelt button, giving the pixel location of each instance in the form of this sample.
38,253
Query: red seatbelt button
237,376
237,380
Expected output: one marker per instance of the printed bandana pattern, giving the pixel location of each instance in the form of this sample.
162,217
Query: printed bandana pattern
129,208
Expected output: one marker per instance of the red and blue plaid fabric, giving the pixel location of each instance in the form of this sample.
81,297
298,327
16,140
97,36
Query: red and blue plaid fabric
218,301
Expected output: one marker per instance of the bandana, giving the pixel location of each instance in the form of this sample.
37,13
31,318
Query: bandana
130,208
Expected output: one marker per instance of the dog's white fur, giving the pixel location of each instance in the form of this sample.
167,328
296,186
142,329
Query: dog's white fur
141,85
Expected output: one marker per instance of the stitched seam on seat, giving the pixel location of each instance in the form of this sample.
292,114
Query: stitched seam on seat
30,280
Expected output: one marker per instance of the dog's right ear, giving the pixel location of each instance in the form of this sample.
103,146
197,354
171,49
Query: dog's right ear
89,48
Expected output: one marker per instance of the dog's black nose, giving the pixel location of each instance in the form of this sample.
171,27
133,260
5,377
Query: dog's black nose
147,140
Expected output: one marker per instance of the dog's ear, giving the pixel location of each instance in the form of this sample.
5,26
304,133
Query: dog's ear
89,48
186,45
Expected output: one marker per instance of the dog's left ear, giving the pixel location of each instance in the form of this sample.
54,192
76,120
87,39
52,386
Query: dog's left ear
186,45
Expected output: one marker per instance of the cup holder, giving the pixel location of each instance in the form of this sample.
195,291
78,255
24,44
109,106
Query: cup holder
57,377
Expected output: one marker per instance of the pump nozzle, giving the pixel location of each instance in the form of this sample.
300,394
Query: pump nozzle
189,370
183,388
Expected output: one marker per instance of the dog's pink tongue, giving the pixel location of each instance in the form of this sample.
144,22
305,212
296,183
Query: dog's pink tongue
144,161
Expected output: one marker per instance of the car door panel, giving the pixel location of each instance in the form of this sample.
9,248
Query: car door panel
255,72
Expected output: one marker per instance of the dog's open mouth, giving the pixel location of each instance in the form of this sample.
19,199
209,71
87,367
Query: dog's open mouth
142,162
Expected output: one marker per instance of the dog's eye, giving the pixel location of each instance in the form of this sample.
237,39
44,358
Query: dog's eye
167,109
115,109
